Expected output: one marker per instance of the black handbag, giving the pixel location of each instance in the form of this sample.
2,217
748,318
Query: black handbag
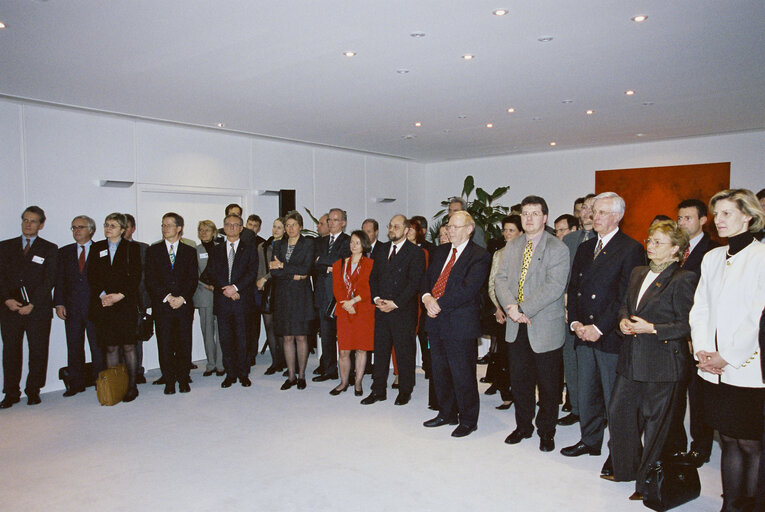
145,327
266,298
670,484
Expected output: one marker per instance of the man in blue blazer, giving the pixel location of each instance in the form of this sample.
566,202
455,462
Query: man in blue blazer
596,290
171,280
233,272
27,276
72,300
451,293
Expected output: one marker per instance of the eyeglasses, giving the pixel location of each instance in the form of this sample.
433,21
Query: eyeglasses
453,226
534,214
228,225
602,213
75,228
108,225
651,241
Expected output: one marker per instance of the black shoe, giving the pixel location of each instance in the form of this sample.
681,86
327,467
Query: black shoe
484,360
462,431
432,407
220,373
402,398
73,391
246,382
372,398
546,444
608,467
184,387
8,402
579,449
160,381
270,371
505,406
318,371
698,459
288,384
301,384
439,421
227,382
567,420
517,436
193,366
394,385
140,379
636,496
492,390
207,373
326,376
33,398
131,395
170,388
337,391
358,391
484,380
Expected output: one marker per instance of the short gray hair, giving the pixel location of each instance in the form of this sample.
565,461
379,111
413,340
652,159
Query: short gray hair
91,222
342,213
459,200
616,201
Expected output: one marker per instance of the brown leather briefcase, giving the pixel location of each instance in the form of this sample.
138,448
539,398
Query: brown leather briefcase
112,384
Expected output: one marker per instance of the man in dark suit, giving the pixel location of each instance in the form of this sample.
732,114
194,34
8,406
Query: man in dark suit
451,292
233,274
529,284
329,249
394,284
72,300
27,276
372,228
246,236
253,225
572,241
691,217
171,279
599,279
144,301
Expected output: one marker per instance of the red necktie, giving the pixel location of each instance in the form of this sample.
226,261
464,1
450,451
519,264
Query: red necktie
440,286
686,253
26,247
81,259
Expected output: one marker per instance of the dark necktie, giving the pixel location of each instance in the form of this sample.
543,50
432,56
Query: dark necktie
598,248
81,259
331,241
392,254
26,247
440,286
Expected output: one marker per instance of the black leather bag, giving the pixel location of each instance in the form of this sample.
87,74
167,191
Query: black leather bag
670,484
144,327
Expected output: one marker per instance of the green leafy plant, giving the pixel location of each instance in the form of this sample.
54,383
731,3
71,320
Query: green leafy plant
485,213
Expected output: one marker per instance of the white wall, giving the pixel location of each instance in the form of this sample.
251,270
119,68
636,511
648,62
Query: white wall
56,157
562,176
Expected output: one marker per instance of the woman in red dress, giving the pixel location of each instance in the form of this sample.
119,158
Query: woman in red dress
355,311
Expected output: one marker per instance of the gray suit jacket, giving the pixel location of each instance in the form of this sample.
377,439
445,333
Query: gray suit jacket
543,290
203,298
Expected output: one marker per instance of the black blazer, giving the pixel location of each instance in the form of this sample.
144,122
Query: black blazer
294,299
664,356
243,275
398,280
693,263
596,288
123,275
72,287
36,272
325,258
460,316
179,280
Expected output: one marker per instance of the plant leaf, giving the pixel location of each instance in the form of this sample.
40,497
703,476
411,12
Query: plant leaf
468,186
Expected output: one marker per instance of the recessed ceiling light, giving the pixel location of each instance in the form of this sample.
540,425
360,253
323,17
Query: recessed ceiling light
510,110
639,134
349,54
418,124
2,25
647,103
489,125
417,34
639,18
567,101
500,12
553,143
408,136
220,125
461,116
402,71
445,130
467,56
545,39
536,118
629,92
590,112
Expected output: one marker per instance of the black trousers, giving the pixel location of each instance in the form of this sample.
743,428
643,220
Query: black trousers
328,343
391,332
37,328
454,377
174,343
639,409
76,326
253,335
232,333
702,435
529,370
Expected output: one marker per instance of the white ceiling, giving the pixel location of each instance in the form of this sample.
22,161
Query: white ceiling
276,68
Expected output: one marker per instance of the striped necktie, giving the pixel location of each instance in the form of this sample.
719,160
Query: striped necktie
231,255
440,286
172,257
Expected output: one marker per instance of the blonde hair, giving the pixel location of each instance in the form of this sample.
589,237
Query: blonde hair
207,224
676,235
746,202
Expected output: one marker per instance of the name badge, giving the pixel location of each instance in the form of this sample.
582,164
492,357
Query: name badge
104,253
203,256
38,259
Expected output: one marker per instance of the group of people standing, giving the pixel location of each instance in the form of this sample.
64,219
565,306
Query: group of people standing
581,306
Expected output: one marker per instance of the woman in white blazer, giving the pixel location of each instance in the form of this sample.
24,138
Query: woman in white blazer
725,322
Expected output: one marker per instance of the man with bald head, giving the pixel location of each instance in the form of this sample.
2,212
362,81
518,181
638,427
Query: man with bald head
398,268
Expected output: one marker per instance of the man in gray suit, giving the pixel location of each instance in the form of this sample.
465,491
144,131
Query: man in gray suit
530,283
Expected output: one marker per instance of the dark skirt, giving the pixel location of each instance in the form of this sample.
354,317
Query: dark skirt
291,327
112,328
734,411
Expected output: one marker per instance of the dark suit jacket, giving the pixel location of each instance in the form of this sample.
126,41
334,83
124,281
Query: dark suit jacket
243,275
664,356
123,275
325,258
379,246
36,272
460,316
400,279
294,299
693,263
72,288
179,280
597,287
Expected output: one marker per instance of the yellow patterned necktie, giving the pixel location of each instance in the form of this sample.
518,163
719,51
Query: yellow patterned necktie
524,269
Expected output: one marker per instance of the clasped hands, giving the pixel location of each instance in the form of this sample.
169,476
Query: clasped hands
514,314
347,305
385,305
109,299
636,325
711,362
230,292
500,316
175,302
16,307
586,332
